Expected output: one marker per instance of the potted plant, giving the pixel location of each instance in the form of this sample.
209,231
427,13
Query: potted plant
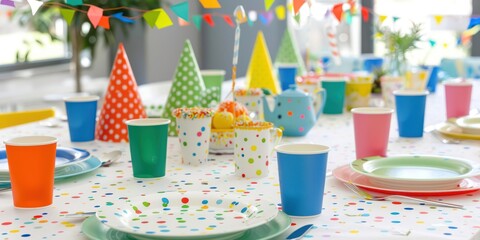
397,44
81,33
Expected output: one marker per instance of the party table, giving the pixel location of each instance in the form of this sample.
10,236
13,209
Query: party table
344,215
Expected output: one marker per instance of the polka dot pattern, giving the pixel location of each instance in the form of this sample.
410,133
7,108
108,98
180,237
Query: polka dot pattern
188,89
122,102
252,152
194,136
289,53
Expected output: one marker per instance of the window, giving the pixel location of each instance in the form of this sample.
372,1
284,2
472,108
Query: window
455,15
38,48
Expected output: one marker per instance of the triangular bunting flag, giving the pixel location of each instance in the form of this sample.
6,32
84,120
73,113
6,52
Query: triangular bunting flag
260,72
266,18
181,10
197,20
119,16
210,4
67,14
182,22
34,5
268,4
288,52
348,17
151,17
382,18
74,2
7,3
163,20
104,22
297,4
280,12
95,14
432,42
395,19
473,22
365,15
187,88
208,19
338,11
297,18
438,19
228,20
122,101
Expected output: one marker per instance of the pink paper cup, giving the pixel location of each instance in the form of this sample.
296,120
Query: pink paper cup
458,94
372,127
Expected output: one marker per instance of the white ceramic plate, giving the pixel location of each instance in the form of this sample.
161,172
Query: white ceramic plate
189,214
416,171
65,156
469,124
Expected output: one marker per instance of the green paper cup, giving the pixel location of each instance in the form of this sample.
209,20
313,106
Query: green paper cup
213,80
148,146
335,87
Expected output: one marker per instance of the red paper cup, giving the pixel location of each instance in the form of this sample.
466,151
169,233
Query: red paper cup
458,94
372,127
31,163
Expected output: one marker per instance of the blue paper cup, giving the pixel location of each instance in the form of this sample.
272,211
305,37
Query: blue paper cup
81,114
410,108
433,77
370,64
302,168
286,75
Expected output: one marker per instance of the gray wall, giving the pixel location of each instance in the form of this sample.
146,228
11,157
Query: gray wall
476,37
217,42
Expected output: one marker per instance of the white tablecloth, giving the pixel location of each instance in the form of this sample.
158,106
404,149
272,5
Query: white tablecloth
345,216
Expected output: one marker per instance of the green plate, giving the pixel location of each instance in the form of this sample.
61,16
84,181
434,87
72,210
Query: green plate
412,172
94,229
68,171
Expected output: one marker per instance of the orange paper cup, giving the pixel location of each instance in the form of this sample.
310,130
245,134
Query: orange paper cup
31,163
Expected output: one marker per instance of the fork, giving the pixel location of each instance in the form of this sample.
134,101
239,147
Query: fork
439,136
368,196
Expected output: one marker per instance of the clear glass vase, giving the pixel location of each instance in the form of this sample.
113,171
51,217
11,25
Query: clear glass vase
397,64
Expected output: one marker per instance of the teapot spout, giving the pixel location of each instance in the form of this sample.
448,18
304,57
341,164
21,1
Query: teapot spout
268,114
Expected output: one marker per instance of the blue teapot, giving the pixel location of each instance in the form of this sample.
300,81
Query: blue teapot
294,112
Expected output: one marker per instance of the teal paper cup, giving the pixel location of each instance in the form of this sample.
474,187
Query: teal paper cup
335,87
213,79
148,146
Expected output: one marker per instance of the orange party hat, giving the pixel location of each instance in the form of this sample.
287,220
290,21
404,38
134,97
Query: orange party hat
122,101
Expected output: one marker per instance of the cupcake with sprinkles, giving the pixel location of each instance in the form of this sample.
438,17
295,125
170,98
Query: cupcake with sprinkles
193,130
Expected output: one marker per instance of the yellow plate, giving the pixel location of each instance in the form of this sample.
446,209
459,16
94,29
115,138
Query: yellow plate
455,131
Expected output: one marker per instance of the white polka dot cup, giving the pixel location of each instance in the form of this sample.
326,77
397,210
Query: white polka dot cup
193,130
254,142
389,85
252,99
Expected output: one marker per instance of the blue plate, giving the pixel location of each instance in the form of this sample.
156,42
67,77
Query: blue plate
65,157
71,170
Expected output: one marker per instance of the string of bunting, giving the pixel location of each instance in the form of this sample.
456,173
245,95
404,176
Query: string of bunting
160,19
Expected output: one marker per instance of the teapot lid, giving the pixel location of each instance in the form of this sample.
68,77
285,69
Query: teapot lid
293,92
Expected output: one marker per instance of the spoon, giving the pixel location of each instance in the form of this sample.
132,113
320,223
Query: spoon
110,157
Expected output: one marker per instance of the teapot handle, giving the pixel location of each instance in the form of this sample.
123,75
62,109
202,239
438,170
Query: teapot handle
323,96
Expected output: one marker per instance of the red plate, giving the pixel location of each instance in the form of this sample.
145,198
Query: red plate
346,174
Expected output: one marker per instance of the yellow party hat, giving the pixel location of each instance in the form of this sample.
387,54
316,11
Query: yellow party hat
260,71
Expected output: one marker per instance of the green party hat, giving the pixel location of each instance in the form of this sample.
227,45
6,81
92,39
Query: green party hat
187,88
289,53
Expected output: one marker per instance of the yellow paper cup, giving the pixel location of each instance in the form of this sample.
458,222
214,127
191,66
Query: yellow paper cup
416,80
358,92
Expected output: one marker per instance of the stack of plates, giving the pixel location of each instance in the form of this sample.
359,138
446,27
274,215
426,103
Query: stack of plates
413,175
69,162
465,127
189,215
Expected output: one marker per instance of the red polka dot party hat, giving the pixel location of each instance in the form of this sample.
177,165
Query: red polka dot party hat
122,101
